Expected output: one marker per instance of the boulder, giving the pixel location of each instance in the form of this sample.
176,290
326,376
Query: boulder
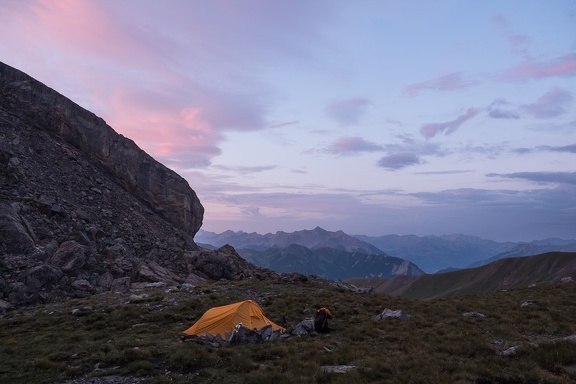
82,288
16,235
42,275
152,272
389,313
69,257
21,294
121,285
305,327
5,306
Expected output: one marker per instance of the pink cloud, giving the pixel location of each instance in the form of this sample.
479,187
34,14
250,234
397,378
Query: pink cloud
450,82
92,30
563,66
351,145
170,77
550,104
448,127
348,112
518,42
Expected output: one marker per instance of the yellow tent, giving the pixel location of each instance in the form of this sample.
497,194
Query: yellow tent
219,320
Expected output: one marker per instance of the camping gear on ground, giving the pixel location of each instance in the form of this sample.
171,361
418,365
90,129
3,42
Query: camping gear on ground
321,320
228,318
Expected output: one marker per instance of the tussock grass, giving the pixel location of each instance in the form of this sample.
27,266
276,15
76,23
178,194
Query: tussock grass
116,335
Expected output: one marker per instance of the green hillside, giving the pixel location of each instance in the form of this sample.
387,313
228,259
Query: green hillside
137,337
500,274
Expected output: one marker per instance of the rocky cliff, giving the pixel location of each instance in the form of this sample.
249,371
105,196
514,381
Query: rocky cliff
83,210
30,104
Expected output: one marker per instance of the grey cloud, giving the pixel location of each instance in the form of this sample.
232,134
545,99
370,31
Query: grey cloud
352,145
244,170
399,160
412,145
494,214
502,114
448,172
523,151
497,110
551,104
449,82
348,112
562,128
432,129
565,148
540,177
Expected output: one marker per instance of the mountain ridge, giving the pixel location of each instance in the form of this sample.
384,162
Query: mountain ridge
313,238
500,274
430,253
329,263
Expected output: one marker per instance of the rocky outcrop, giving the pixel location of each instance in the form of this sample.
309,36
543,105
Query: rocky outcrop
226,263
83,210
30,102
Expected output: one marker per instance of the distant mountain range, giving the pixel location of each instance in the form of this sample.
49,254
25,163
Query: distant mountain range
429,253
313,239
433,253
532,248
329,262
500,274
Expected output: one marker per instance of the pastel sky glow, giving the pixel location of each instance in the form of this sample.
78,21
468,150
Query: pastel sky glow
373,117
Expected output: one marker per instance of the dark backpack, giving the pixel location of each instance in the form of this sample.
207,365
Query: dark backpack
321,321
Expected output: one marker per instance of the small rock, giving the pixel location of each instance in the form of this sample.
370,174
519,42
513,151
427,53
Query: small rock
508,352
473,314
392,313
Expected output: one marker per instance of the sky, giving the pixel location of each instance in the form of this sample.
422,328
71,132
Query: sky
373,117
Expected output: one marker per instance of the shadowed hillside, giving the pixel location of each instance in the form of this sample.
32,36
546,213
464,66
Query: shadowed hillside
329,263
500,274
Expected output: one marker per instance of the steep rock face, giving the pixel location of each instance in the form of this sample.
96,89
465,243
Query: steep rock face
84,211
29,101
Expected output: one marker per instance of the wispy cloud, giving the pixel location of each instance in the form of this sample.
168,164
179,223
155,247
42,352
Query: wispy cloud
284,124
551,104
244,170
517,42
350,145
450,82
348,112
499,110
564,148
397,161
448,127
448,172
559,128
563,66
540,177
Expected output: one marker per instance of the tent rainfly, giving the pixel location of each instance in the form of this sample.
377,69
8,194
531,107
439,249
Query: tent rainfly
219,320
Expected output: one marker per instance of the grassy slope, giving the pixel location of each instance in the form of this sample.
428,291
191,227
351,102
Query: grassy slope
111,334
504,273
